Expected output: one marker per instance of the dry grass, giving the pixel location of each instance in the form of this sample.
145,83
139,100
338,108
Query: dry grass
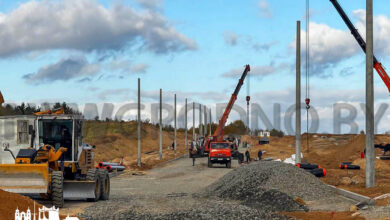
329,151
116,141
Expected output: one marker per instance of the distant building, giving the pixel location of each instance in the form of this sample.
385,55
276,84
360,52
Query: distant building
264,137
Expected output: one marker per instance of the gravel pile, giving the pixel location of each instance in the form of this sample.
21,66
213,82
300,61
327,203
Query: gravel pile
212,209
270,184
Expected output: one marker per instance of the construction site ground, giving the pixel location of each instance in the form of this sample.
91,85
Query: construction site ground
165,186
174,187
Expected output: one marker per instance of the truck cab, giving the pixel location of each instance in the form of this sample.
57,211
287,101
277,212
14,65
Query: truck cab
220,152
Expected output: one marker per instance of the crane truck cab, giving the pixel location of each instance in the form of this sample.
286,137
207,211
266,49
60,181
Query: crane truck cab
220,152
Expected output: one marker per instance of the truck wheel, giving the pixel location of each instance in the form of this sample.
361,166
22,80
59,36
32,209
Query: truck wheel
92,175
105,184
229,164
57,186
209,164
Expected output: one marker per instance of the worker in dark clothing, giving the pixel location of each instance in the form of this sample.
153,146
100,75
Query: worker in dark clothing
240,158
260,154
247,155
193,154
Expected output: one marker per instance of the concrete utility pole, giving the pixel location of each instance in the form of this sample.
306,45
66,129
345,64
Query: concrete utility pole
370,154
298,97
193,121
200,120
185,127
247,118
175,141
139,124
210,122
205,121
161,153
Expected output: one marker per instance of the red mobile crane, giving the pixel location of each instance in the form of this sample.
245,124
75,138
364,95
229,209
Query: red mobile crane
218,150
377,65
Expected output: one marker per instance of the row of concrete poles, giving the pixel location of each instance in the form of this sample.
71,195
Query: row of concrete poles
202,127
370,154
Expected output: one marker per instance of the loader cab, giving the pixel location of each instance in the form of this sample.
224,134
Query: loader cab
61,131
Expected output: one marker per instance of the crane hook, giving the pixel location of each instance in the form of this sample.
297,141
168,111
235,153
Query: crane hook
307,101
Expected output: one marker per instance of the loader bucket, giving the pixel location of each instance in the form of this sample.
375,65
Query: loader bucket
24,178
75,190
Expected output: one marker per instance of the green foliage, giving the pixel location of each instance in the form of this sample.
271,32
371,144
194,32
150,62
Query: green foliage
237,127
66,107
276,133
21,109
27,109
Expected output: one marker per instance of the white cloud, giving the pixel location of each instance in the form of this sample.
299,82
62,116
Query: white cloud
264,9
150,4
126,66
139,68
109,93
168,95
230,38
265,46
122,65
330,46
64,70
259,71
381,31
87,26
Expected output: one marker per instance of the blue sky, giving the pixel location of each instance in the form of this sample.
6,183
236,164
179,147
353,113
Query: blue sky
94,51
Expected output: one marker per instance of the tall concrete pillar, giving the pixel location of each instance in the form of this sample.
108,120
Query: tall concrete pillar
370,154
160,144
175,140
298,97
193,121
205,121
185,127
200,121
210,122
139,124
247,118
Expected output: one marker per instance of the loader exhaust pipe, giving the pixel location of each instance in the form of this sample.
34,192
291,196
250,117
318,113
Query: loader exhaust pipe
6,148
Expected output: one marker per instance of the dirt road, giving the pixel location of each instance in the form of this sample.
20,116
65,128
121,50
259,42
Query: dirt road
160,191
175,188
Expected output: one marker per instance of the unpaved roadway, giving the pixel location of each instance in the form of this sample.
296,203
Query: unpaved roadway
174,187
159,188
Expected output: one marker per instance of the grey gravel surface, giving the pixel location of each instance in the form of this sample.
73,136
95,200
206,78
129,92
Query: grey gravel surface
270,184
210,209
182,191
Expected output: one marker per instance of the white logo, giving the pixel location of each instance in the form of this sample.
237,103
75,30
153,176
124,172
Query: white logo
43,214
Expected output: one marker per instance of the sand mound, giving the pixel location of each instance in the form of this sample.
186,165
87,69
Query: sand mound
11,201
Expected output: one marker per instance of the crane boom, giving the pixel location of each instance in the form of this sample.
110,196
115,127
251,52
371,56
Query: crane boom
219,131
377,65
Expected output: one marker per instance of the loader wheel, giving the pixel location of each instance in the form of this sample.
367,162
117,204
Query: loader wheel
229,164
105,184
57,185
209,164
93,175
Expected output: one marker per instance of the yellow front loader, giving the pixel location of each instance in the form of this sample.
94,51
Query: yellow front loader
60,168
